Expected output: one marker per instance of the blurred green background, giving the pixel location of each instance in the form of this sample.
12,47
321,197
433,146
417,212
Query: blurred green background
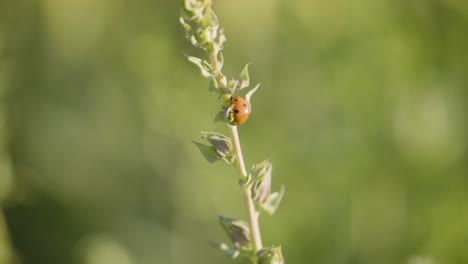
362,108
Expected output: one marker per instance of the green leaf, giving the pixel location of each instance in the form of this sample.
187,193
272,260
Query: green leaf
204,66
192,10
187,27
271,255
220,116
260,169
225,90
230,159
208,152
183,10
194,40
220,61
272,203
229,115
229,252
250,93
209,19
223,80
238,231
207,35
244,77
220,39
213,86
261,175
221,143
232,86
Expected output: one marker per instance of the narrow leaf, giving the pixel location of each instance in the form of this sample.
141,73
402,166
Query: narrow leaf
208,152
183,9
187,27
221,143
229,252
272,203
204,66
244,77
207,135
213,86
209,18
220,61
218,44
261,190
194,40
225,90
232,85
262,185
250,93
258,170
238,231
271,255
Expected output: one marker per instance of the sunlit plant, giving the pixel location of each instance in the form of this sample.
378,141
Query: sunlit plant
203,31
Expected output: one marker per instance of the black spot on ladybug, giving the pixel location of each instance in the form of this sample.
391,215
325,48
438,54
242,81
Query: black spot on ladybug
240,110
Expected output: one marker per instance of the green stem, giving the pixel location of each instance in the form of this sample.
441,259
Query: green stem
247,193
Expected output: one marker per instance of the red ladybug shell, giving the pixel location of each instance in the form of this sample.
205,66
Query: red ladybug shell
240,109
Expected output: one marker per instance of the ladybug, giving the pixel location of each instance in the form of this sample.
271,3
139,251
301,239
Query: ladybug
240,109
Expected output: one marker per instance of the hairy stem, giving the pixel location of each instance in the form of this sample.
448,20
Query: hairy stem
247,193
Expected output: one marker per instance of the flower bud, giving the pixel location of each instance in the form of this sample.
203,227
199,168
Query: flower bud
261,173
221,143
238,232
271,255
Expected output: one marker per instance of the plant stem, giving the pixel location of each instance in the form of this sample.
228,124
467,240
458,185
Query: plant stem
247,193
240,159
